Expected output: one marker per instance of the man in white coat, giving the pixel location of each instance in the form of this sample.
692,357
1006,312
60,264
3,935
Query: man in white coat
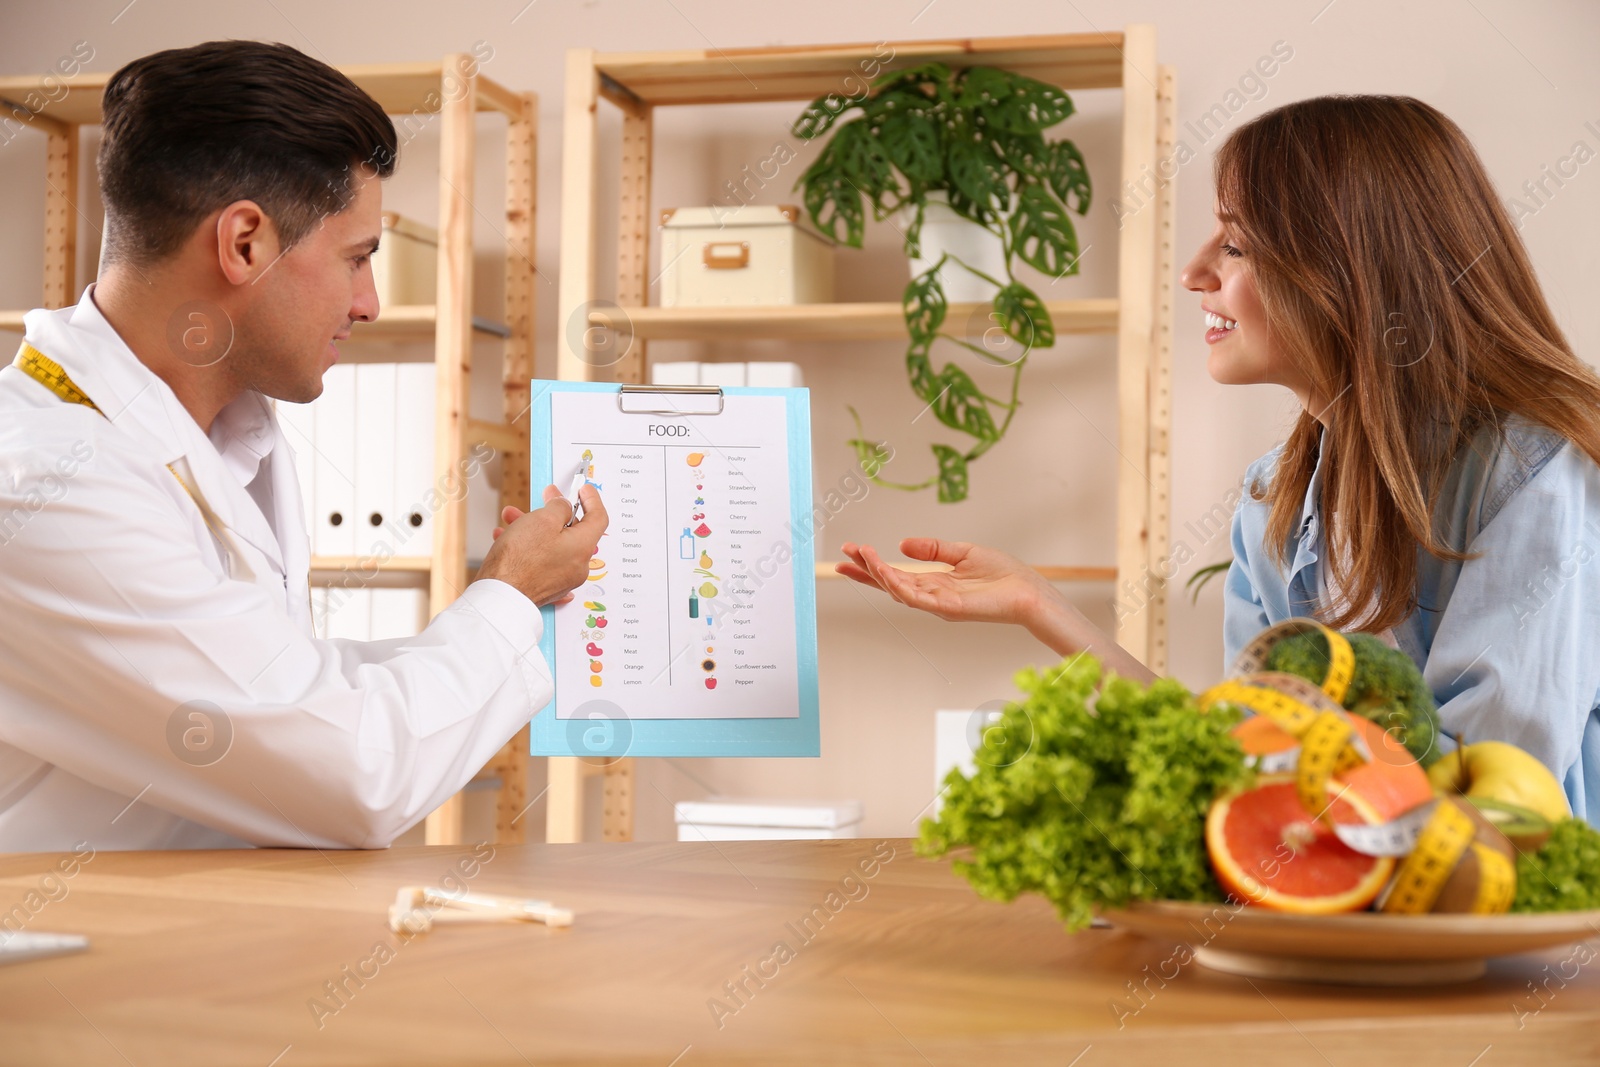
153,554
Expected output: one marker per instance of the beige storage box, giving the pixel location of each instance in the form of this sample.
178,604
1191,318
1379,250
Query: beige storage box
751,255
406,266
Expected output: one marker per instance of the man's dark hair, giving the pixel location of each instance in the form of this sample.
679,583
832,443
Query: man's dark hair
191,130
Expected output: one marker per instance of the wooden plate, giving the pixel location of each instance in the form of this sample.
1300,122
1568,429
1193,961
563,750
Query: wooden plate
1364,948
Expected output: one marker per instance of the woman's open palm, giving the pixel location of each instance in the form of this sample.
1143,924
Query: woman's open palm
983,584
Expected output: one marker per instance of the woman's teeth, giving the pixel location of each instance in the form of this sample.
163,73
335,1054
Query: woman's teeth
1217,322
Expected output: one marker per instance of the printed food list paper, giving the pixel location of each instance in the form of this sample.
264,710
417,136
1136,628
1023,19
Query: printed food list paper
695,633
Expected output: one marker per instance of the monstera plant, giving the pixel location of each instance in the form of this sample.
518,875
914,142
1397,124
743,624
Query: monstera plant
976,135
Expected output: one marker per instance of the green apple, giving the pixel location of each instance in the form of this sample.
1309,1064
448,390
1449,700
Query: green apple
1494,770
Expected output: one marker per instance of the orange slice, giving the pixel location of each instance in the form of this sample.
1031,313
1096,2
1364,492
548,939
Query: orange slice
1268,850
1392,782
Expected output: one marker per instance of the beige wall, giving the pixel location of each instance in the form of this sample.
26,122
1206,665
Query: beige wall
1519,78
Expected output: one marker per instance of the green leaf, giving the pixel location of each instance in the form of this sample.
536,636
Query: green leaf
1041,234
979,175
870,455
952,474
861,157
969,209
1026,153
832,199
1023,316
933,76
1069,176
1030,107
911,139
960,406
920,371
913,233
924,305
982,86
819,116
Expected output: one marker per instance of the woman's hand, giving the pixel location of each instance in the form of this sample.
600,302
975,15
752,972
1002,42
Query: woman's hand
985,584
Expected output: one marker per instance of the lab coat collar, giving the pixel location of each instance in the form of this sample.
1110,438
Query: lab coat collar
143,406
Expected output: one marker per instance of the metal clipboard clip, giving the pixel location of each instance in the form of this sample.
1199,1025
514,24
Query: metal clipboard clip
690,391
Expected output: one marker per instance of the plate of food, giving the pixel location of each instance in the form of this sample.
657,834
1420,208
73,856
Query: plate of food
1361,948
1296,821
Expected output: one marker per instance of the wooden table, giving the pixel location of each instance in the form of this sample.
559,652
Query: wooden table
284,958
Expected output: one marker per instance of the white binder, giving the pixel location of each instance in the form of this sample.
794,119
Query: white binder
298,424
348,613
397,613
375,445
413,458
333,526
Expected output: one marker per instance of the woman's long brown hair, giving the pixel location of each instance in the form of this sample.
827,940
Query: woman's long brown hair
1393,278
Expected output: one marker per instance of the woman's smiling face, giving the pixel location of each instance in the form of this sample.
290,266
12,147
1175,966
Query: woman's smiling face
1244,350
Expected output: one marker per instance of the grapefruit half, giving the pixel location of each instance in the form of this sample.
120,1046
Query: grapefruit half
1266,849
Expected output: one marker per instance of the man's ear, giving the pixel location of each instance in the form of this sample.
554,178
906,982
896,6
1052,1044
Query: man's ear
247,242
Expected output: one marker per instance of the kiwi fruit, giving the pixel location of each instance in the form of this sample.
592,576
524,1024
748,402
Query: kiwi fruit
1526,829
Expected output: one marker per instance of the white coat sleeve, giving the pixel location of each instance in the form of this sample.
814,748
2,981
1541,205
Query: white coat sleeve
116,631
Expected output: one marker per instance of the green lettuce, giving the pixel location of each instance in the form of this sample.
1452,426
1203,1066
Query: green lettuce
1091,800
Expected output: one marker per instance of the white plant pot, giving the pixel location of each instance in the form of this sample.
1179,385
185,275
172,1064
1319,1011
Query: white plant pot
946,232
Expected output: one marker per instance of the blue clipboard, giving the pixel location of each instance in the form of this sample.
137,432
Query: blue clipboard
612,732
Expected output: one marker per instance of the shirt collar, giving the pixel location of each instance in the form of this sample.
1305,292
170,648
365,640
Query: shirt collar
136,400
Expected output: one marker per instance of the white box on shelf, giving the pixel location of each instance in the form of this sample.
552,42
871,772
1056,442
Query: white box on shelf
675,373
773,375
957,735
405,268
722,373
751,255
746,819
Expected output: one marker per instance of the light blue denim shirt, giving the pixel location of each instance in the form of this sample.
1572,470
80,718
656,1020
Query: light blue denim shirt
1509,642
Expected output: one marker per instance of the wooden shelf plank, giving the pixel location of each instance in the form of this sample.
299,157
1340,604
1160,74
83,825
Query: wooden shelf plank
829,322
399,88
745,75
1053,573
365,564
415,322
405,322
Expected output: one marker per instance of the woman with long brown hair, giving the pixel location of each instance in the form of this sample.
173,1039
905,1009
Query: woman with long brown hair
1440,488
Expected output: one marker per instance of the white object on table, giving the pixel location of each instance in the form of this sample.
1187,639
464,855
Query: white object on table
20,945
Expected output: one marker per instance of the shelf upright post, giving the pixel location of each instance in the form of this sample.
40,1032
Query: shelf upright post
522,179
60,212
1136,267
452,362
564,809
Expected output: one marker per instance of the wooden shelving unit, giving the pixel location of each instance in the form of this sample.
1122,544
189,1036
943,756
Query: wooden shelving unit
1139,317
456,92
822,322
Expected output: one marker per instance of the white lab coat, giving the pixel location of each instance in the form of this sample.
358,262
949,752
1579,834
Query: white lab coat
122,618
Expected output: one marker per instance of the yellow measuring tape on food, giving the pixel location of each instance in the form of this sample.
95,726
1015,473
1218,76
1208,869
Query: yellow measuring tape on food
1443,844
1309,713
50,374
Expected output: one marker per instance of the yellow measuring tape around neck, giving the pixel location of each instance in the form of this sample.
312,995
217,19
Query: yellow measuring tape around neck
50,374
